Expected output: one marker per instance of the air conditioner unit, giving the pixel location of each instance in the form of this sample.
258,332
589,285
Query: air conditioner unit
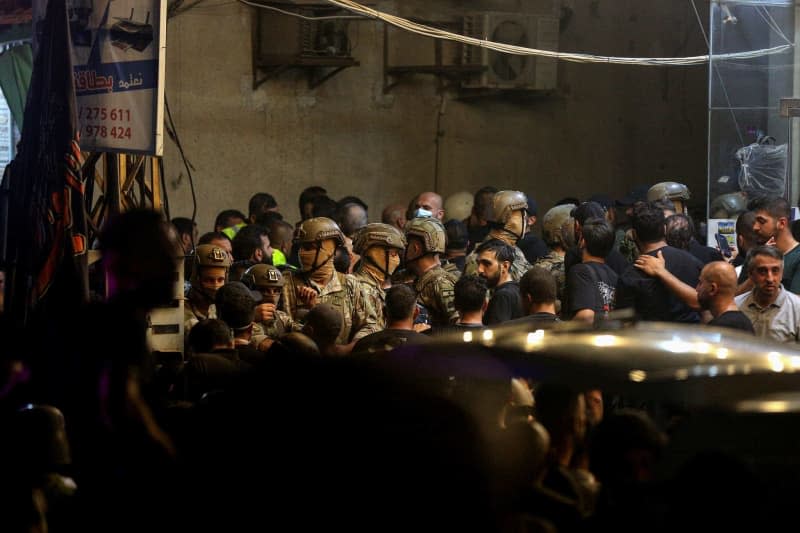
507,71
285,40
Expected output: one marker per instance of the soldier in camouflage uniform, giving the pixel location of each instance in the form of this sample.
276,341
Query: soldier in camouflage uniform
270,322
318,282
558,231
434,285
379,246
211,264
508,224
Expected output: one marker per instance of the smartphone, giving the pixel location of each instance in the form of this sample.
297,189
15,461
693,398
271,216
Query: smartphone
724,247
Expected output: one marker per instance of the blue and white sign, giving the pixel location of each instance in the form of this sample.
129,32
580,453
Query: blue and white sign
118,55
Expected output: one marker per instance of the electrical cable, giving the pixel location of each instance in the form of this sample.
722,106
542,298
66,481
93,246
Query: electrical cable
722,85
435,33
174,136
164,187
298,15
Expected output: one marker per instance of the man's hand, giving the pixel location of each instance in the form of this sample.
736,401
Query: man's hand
652,266
265,312
307,295
770,242
266,344
419,328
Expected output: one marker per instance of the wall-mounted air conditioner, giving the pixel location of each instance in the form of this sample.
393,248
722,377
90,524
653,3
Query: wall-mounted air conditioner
506,71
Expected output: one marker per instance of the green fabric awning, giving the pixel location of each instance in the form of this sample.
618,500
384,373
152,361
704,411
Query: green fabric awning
16,66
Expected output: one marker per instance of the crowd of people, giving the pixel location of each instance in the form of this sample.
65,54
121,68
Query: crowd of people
282,322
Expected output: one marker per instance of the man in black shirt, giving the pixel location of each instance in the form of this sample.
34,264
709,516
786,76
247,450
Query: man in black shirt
494,265
715,292
574,256
538,289
470,302
648,295
592,284
401,310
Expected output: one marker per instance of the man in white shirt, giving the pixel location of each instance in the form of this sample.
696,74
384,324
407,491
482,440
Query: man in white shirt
773,310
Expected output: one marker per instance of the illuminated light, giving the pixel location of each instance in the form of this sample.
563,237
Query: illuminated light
775,406
713,371
488,335
702,347
467,336
723,353
604,340
746,369
775,361
535,337
681,374
637,375
731,370
676,346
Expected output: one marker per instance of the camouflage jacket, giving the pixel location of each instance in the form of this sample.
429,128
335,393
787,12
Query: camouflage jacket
518,267
191,311
554,263
435,290
344,292
375,295
281,324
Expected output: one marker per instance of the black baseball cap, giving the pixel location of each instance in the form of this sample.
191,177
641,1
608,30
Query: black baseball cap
587,210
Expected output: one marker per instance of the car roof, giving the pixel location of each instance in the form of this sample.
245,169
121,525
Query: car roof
689,364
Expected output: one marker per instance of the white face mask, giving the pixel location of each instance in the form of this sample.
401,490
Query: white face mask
422,213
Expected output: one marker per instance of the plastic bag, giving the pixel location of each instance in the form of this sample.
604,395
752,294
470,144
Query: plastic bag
763,168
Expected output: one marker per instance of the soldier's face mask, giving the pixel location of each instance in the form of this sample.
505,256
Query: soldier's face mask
421,212
386,260
316,259
517,224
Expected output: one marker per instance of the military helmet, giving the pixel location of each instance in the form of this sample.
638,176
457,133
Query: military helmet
262,276
728,205
505,203
430,230
553,222
668,189
210,255
459,205
318,229
378,234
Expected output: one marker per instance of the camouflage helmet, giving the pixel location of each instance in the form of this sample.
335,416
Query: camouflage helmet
505,203
378,234
209,255
668,190
553,223
459,205
430,231
728,205
262,276
318,229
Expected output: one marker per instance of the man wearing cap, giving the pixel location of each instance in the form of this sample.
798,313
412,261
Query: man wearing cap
456,249
508,222
532,246
581,214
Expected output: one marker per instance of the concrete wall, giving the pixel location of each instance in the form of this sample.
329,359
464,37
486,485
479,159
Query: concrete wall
606,128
